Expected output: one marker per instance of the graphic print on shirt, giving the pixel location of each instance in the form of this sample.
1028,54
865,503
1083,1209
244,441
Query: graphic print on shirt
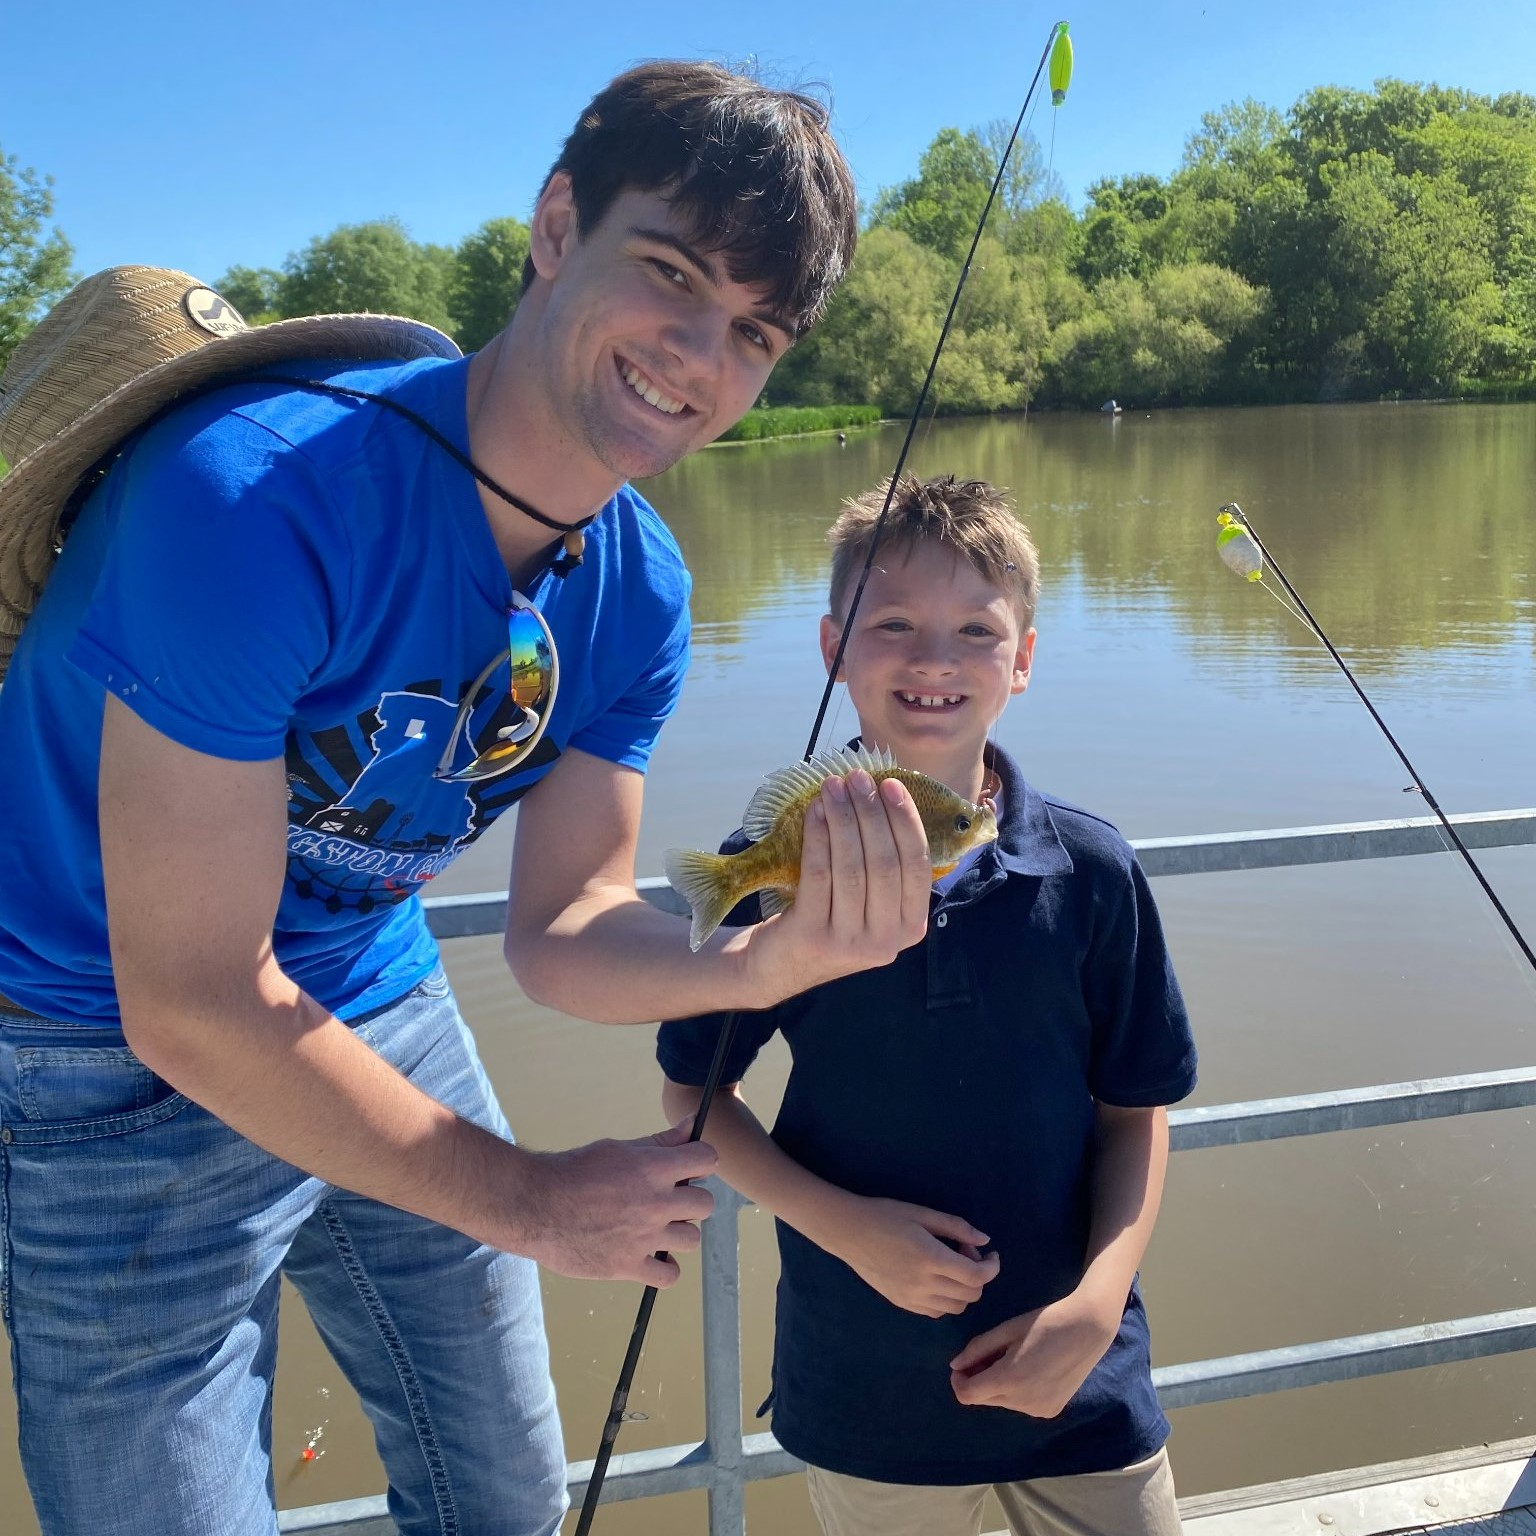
368,822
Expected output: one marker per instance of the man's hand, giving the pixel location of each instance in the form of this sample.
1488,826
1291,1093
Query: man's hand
604,1211
920,1260
865,876
1033,1363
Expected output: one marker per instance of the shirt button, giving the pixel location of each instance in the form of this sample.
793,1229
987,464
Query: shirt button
942,920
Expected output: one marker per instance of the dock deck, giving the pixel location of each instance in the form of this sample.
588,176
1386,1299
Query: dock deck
1485,1490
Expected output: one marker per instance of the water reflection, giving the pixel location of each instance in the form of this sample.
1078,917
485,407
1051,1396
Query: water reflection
1404,526
1172,698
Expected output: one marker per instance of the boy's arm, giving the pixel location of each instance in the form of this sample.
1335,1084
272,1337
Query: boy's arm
903,1251
1034,1363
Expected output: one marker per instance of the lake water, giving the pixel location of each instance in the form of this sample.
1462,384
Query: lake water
1172,698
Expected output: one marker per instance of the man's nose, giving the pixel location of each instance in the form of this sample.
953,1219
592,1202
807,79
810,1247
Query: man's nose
694,338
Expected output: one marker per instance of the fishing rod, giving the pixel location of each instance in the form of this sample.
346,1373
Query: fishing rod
1235,523
1058,54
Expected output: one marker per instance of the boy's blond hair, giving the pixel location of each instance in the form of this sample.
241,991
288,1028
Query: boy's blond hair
973,517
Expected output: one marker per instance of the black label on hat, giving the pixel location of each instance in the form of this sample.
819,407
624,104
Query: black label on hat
213,314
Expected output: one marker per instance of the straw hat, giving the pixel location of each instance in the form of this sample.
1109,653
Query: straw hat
110,354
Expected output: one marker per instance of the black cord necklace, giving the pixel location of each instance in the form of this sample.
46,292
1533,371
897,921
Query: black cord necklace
573,541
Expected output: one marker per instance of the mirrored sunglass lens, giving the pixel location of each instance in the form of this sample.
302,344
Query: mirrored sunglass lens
532,661
533,668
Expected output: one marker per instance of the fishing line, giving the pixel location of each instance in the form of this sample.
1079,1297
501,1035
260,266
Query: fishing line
1236,515
1057,51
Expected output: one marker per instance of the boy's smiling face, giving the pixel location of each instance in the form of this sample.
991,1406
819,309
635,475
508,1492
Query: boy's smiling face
936,651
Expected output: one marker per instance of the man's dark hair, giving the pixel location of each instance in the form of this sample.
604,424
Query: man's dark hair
753,171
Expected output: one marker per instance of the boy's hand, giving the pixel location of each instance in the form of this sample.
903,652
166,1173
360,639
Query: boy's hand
865,876
1033,1363
920,1260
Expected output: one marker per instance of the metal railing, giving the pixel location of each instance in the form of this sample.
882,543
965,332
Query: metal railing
726,1459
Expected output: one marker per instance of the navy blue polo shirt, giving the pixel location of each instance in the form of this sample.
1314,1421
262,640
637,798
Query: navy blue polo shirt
963,1076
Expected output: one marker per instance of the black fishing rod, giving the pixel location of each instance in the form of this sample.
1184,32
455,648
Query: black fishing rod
1058,44
1236,513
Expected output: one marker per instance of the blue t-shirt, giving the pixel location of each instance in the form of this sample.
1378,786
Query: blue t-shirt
963,1077
282,573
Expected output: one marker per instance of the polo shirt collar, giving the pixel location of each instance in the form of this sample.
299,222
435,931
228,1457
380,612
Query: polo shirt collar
1027,842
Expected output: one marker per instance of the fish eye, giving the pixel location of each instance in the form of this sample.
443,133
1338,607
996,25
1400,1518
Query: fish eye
962,823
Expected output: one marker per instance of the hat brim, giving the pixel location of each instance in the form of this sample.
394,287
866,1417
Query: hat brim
33,494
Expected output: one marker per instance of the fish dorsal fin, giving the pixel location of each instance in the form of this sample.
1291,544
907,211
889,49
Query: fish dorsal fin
799,781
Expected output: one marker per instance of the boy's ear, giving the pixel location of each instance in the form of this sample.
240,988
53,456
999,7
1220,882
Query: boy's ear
552,230
831,633
1023,660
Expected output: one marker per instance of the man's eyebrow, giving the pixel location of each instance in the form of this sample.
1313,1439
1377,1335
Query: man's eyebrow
711,274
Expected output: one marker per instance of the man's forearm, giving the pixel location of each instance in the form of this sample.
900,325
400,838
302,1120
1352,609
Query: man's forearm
276,1067
613,958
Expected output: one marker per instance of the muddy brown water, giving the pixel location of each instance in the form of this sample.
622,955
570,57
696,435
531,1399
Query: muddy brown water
1174,699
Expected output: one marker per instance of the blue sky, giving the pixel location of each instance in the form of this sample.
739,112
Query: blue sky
201,136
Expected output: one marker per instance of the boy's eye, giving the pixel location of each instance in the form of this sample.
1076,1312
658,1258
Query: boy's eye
755,336
980,630
668,271
895,626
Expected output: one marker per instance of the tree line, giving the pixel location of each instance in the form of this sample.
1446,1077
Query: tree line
1364,243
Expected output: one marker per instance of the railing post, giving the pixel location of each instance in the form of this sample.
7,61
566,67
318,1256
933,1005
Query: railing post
720,1255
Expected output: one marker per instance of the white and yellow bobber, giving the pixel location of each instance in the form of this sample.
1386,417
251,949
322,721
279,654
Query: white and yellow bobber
1238,549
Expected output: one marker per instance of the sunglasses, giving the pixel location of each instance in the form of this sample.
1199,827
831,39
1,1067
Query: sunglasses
535,677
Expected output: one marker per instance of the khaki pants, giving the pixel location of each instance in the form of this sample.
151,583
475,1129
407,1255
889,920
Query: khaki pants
1134,1501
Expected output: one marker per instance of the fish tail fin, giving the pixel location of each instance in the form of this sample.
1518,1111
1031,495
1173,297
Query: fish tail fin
705,882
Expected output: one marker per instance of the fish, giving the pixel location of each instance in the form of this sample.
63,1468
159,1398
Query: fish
712,883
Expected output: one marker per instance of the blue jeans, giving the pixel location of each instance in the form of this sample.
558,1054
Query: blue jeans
141,1246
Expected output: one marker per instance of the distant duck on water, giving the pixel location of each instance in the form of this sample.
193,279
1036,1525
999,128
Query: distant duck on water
1110,408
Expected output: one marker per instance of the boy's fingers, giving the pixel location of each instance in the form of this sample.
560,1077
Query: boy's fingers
982,1350
955,1229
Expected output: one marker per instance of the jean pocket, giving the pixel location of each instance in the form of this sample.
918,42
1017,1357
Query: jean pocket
433,985
88,1091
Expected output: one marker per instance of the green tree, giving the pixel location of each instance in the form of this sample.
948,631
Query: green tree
374,267
487,280
878,333
1157,341
34,261
253,291
995,354
942,205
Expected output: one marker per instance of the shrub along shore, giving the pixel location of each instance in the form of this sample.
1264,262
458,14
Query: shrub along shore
793,420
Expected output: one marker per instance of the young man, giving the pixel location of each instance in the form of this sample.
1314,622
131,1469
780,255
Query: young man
303,643
998,1087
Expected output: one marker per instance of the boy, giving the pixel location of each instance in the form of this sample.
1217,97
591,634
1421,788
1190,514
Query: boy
999,1087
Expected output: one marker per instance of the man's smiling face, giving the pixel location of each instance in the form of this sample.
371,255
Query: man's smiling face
652,349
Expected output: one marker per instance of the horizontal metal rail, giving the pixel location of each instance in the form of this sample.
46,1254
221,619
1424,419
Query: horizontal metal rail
1366,1354
726,1459
463,917
1350,1109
